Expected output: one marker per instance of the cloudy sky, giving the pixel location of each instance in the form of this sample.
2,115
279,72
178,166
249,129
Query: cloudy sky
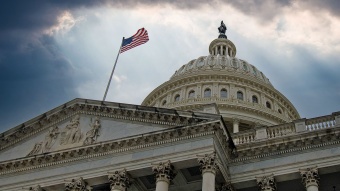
54,51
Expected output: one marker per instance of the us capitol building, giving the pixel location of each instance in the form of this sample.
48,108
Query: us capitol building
217,124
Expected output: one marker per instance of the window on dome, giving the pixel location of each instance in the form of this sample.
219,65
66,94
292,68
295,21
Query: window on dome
207,92
279,110
240,95
192,94
181,70
245,67
177,98
255,100
164,102
262,76
268,105
191,65
224,93
254,71
201,63
234,63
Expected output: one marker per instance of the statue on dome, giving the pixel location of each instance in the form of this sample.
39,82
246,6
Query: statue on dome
222,28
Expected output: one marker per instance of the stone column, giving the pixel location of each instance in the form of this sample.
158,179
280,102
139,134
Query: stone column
119,180
310,178
216,50
164,173
77,185
221,47
226,51
266,183
208,167
236,123
36,188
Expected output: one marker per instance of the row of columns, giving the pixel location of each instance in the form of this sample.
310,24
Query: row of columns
222,50
310,179
164,173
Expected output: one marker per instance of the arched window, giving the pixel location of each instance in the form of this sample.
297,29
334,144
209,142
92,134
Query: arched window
279,110
268,105
234,63
240,95
224,93
164,102
245,66
207,92
255,100
254,71
192,94
201,63
177,98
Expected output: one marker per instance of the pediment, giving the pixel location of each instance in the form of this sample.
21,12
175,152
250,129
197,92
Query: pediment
78,124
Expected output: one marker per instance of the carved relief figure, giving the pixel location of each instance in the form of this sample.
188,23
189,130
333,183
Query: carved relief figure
71,133
93,133
45,146
36,149
50,138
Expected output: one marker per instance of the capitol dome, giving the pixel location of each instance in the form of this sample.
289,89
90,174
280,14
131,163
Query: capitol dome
224,84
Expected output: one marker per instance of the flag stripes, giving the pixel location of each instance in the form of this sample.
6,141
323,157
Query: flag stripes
139,38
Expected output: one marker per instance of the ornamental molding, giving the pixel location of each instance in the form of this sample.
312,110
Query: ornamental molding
164,171
285,145
310,177
156,116
119,180
36,188
167,136
237,106
266,183
77,185
208,163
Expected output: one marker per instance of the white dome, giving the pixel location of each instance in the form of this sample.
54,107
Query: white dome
240,91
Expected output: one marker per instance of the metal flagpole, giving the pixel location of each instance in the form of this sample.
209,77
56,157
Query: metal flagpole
108,84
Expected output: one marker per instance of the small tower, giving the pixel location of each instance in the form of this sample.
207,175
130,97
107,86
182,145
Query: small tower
222,46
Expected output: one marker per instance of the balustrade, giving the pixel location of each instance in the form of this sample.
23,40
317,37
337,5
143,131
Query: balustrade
323,122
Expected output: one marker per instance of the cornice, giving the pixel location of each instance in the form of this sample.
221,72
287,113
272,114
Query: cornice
287,145
150,115
167,136
234,104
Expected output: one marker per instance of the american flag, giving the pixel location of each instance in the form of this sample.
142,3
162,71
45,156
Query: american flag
139,38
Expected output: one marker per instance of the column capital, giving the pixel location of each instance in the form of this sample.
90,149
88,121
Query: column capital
310,176
236,120
226,187
119,180
208,163
36,188
164,171
266,183
77,185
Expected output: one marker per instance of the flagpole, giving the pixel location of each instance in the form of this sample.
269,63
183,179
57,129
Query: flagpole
108,84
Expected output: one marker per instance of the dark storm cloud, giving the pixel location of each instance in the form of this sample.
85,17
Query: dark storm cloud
266,10
35,76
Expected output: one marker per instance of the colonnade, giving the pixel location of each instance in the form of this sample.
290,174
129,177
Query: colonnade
164,173
223,50
310,180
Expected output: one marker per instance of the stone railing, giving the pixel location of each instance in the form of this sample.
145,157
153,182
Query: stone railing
244,137
280,130
286,129
323,122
